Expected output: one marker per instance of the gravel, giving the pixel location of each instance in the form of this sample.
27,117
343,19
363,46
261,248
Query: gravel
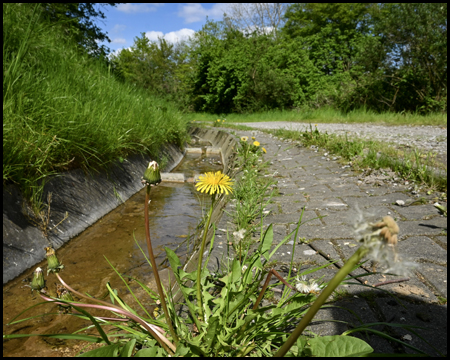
424,138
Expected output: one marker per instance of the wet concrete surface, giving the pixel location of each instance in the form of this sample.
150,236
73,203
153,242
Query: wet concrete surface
308,180
175,211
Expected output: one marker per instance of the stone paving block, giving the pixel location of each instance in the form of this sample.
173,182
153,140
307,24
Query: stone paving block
363,201
308,219
413,289
443,240
272,208
436,275
343,188
326,202
416,212
422,248
385,199
282,218
431,317
291,207
319,171
305,257
379,190
317,190
327,232
435,226
327,250
287,190
337,218
297,173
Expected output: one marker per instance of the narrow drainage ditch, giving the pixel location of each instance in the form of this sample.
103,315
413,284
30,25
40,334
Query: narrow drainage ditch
175,211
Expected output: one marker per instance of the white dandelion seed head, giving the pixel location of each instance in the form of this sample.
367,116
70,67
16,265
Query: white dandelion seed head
382,253
301,287
239,235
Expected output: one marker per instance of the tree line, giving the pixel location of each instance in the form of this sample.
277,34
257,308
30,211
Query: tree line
384,57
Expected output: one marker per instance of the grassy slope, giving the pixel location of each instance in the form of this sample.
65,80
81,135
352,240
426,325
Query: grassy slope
62,109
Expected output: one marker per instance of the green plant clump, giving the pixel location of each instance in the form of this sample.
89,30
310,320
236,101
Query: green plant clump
225,312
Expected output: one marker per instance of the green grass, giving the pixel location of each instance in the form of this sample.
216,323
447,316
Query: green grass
414,166
63,109
328,115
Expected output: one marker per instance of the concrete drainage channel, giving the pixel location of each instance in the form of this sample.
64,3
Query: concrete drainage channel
180,177
88,199
85,266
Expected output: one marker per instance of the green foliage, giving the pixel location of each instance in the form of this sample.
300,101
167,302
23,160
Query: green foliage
230,327
76,21
380,57
251,192
157,66
415,37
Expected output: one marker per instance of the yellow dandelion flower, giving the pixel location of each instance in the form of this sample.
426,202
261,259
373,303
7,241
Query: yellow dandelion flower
315,124
264,150
214,183
253,138
256,143
244,138
218,120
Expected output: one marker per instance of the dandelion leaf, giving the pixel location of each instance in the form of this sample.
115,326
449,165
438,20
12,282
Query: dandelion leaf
333,346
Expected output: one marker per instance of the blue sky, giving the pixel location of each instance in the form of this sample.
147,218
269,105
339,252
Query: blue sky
173,21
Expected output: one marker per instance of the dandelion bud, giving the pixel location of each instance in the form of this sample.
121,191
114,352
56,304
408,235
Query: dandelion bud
63,294
152,175
53,262
38,279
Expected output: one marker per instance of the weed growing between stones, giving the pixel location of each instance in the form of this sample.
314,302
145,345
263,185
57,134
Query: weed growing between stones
225,315
368,154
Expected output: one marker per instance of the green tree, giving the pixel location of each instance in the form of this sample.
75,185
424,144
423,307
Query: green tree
415,37
77,20
157,66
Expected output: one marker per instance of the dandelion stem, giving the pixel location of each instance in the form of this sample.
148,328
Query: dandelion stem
334,283
155,269
200,260
261,294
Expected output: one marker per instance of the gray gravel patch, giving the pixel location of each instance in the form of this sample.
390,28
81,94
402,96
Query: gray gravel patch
425,138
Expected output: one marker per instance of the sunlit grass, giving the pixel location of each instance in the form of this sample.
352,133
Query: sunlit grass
412,165
64,110
328,115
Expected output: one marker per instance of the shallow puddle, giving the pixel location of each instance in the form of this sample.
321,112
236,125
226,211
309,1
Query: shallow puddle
175,211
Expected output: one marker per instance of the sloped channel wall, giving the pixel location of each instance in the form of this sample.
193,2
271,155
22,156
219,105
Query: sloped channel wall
87,199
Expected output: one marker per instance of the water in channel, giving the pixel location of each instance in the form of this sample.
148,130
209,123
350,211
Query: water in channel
175,211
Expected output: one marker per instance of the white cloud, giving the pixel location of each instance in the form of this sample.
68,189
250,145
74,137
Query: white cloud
114,53
118,41
137,8
118,28
196,12
171,37
154,35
